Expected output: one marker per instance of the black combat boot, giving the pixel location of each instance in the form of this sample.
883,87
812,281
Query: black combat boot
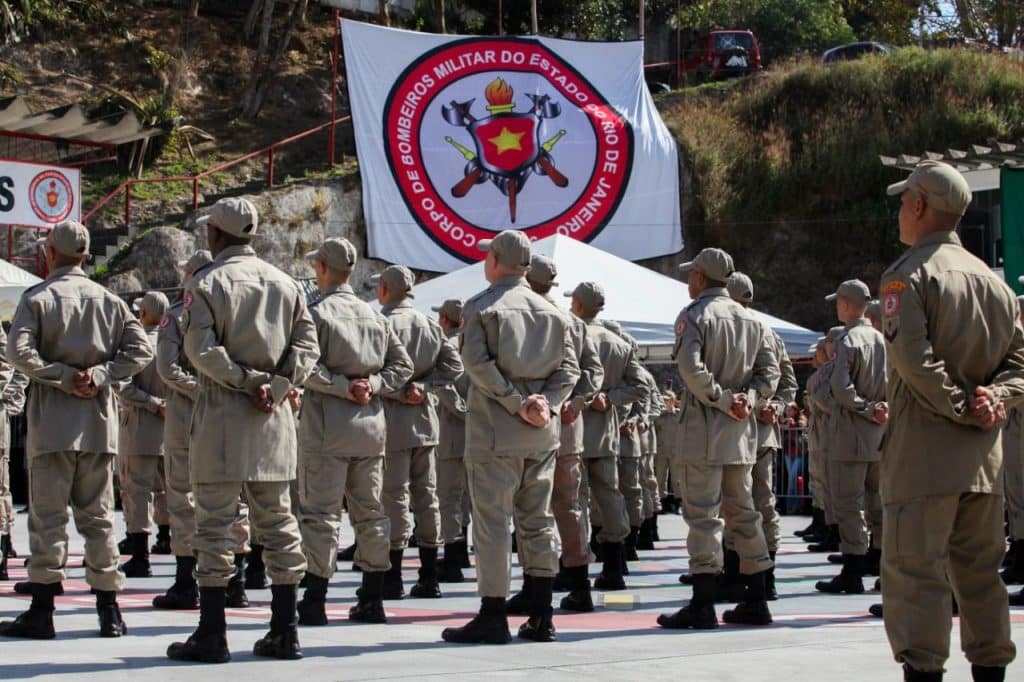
873,562
184,593
393,588
427,586
731,585
313,607
699,614
610,578
982,673
655,537
237,598
370,608
8,545
25,587
209,643
770,592
255,569
489,626
850,579
1013,574
539,627
37,622
111,622
4,541
519,604
753,610
138,565
124,546
595,544
631,540
829,543
347,554
1017,599
450,568
562,581
911,675
163,540
579,598
283,639
645,540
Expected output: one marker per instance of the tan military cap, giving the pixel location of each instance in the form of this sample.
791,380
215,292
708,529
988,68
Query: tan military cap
715,264
235,216
512,248
452,309
740,287
590,294
199,259
336,253
69,238
397,278
542,270
941,185
853,290
154,303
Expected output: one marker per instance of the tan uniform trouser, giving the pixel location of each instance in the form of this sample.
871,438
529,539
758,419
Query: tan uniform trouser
181,507
568,512
217,511
649,480
856,504
716,497
764,496
662,465
83,480
410,482
323,481
827,494
608,506
815,464
632,489
959,536
451,497
141,475
503,488
6,503
1013,483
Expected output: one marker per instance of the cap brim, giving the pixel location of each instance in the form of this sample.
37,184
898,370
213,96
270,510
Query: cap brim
183,263
436,308
831,298
898,188
684,268
203,219
374,279
312,255
484,244
568,294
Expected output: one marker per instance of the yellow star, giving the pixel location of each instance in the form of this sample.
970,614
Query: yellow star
507,141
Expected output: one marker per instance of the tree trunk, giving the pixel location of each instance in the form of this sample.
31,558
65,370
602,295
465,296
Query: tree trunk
440,14
193,8
385,14
251,17
268,20
253,100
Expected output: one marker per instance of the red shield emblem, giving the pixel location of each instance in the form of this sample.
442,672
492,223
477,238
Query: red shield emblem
507,144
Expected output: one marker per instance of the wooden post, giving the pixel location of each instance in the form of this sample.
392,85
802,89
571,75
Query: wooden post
334,92
533,17
501,19
643,18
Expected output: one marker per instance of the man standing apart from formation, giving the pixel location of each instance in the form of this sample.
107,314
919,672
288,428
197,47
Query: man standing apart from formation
956,358
518,352
251,340
728,366
74,340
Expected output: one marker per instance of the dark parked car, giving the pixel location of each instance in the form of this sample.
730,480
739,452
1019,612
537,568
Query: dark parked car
721,54
851,51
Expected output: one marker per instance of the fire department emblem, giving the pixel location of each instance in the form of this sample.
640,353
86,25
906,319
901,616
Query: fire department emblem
51,196
472,132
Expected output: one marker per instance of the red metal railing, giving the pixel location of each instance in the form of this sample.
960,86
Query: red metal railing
269,151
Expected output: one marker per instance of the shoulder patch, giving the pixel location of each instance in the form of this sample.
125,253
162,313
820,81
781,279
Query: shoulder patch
894,287
187,299
681,326
891,304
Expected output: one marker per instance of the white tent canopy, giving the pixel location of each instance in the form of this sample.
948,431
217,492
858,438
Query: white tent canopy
13,282
644,302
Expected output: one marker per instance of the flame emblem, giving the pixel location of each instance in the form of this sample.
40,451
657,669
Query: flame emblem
499,96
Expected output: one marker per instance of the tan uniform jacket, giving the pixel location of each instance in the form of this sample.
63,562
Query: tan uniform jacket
858,384
815,415
591,376
515,344
66,324
356,342
452,403
246,322
722,350
770,435
950,325
667,429
630,442
654,406
142,428
12,394
436,363
623,383
179,376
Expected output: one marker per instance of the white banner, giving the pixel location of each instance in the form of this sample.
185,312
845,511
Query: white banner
461,137
39,195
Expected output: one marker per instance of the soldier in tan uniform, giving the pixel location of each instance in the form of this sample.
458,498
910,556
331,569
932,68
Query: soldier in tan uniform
623,384
410,466
451,468
630,463
517,349
654,406
141,442
858,387
12,403
565,495
666,428
74,340
728,366
769,413
815,435
341,435
251,340
956,357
